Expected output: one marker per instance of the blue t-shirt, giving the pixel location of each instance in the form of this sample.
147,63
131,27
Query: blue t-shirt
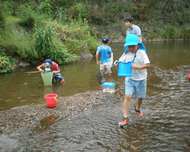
104,52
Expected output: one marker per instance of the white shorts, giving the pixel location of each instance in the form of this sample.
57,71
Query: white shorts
105,68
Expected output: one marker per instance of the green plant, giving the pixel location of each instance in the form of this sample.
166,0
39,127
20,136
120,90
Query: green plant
78,11
185,33
170,32
44,44
46,7
2,21
18,43
48,45
6,64
28,23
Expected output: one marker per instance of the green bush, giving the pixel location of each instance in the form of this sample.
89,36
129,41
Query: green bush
48,45
6,64
2,21
45,7
170,32
44,44
19,43
28,23
77,11
185,33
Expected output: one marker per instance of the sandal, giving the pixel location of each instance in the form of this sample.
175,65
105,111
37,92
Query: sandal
138,112
124,122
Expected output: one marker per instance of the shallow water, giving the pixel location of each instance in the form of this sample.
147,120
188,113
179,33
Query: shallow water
20,88
165,126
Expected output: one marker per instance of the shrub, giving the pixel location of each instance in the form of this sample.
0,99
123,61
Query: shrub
6,63
78,11
48,45
19,43
2,21
45,7
44,44
28,23
170,32
185,33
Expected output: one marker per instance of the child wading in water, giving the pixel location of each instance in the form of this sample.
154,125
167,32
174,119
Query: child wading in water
135,86
104,58
49,65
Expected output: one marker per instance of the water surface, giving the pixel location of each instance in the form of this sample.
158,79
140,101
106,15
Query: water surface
20,88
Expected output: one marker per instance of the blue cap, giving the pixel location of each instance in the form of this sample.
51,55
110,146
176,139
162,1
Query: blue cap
131,39
48,61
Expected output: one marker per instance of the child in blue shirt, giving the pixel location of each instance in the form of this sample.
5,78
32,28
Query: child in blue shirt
104,58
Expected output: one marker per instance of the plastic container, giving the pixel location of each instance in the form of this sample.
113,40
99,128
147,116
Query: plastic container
51,100
108,87
124,69
47,78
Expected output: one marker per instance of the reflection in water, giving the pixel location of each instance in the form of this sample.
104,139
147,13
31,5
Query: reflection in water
46,122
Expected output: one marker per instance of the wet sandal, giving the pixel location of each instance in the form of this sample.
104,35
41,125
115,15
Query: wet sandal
138,112
124,123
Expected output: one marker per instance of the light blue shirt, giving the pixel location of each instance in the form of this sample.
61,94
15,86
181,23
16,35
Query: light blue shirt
104,52
134,29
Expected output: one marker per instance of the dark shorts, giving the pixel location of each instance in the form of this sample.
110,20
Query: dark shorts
58,77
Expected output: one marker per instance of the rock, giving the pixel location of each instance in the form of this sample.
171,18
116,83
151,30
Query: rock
23,64
86,56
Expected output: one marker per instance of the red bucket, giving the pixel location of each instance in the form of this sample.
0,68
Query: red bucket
51,100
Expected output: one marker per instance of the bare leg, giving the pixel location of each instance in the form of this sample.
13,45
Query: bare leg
102,73
138,104
126,104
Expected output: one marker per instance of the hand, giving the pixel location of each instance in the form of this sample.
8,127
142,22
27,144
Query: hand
41,70
97,62
115,62
136,67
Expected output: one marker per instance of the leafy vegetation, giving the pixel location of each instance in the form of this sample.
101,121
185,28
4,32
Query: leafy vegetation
61,29
6,63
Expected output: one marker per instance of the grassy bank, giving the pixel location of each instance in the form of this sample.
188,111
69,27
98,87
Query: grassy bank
29,35
61,29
